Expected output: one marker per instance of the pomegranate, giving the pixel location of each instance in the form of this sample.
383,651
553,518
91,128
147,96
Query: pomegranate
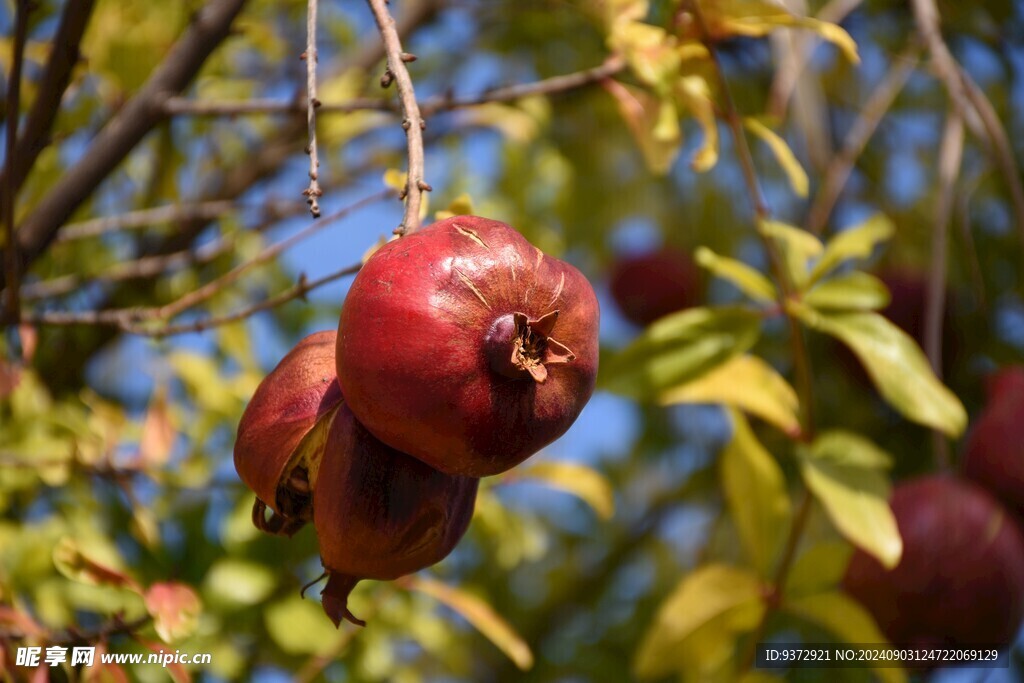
274,450
651,285
994,450
961,578
380,514
465,346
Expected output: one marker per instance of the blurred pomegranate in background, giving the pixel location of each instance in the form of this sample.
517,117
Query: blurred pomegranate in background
994,449
651,285
960,580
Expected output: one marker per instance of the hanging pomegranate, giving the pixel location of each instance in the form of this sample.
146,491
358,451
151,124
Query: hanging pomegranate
465,346
651,285
960,581
276,453
380,514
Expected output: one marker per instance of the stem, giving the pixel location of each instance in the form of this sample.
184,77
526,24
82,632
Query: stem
12,303
313,192
413,122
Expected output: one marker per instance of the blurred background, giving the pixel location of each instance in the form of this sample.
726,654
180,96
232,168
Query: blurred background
115,443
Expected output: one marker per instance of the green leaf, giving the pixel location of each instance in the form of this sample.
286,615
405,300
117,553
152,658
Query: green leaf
659,138
798,248
896,364
680,347
744,382
727,18
749,281
848,448
78,565
755,490
584,482
855,495
854,243
650,51
299,627
819,567
702,596
481,615
852,291
783,154
842,616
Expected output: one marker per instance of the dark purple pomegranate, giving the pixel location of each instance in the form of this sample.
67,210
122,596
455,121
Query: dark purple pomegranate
282,413
380,514
465,346
961,578
994,450
651,285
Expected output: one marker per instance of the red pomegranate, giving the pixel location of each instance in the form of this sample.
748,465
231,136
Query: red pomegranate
961,578
287,404
651,285
380,514
994,450
465,346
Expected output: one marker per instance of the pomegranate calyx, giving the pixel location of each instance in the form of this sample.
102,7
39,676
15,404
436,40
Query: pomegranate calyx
518,346
334,599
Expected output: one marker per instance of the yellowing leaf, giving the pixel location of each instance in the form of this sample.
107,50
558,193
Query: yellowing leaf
702,596
726,18
642,113
695,93
755,490
798,248
854,291
460,206
157,432
650,52
896,364
616,11
584,482
396,179
175,610
749,281
855,497
481,615
678,348
783,154
299,627
335,130
842,616
747,383
511,121
238,582
819,567
853,243
75,564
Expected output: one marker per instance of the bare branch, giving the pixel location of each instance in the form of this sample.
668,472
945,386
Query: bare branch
313,192
125,130
413,122
12,302
64,56
841,165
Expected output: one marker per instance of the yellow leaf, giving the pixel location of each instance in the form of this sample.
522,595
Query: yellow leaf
511,121
642,113
755,490
798,248
703,596
695,93
839,614
460,206
749,281
584,482
853,291
396,179
857,242
783,154
157,432
819,567
747,383
481,615
650,51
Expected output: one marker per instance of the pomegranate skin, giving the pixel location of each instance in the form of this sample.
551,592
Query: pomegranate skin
994,450
284,408
961,578
465,346
381,514
651,285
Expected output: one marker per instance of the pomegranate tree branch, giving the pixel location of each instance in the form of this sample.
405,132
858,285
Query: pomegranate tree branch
12,304
412,122
313,192
841,165
209,27
64,56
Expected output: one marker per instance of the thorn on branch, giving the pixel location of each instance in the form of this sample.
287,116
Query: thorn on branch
387,79
408,57
424,186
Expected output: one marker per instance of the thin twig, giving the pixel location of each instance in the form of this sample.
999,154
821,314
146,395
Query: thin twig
170,213
313,192
841,165
12,303
950,155
413,122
